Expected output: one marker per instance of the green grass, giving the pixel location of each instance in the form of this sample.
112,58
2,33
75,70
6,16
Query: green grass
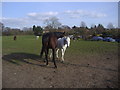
26,44
29,44
92,47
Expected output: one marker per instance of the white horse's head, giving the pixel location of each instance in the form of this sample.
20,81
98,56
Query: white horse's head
67,41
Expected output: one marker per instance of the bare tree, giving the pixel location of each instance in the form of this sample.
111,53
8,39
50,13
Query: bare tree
52,22
110,26
83,24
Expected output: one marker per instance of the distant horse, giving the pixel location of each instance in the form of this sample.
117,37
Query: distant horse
49,41
37,37
14,38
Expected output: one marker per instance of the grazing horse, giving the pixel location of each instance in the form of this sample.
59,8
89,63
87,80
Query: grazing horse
37,37
62,44
14,38
49,41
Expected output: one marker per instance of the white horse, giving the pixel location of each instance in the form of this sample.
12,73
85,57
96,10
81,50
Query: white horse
37,37
62,44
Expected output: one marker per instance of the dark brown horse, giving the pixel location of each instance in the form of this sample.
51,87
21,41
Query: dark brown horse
49,41
14,38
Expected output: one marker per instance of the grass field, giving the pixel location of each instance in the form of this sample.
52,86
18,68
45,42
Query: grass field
26,44
85,58
29,44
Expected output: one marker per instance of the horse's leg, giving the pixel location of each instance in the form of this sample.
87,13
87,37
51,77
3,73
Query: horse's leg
50,54
41,53
63,52
57,53
53,50
46,56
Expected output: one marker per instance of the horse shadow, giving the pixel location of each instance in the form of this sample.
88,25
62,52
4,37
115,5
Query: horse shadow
32,59
17,58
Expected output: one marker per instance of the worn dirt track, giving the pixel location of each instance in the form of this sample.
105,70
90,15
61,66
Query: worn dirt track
76,72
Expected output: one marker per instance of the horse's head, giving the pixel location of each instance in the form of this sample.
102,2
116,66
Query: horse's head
67,41
59,34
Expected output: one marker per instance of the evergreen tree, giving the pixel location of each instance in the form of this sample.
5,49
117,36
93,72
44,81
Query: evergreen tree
37,30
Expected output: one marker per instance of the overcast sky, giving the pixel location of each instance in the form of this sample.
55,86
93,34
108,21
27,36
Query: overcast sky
27,14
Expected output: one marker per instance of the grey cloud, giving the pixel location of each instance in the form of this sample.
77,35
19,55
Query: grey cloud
82,13
37,18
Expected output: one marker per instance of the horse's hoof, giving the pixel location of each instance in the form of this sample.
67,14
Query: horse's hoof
47,65
62,61
55,67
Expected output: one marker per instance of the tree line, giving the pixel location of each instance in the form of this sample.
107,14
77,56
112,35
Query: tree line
54,25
